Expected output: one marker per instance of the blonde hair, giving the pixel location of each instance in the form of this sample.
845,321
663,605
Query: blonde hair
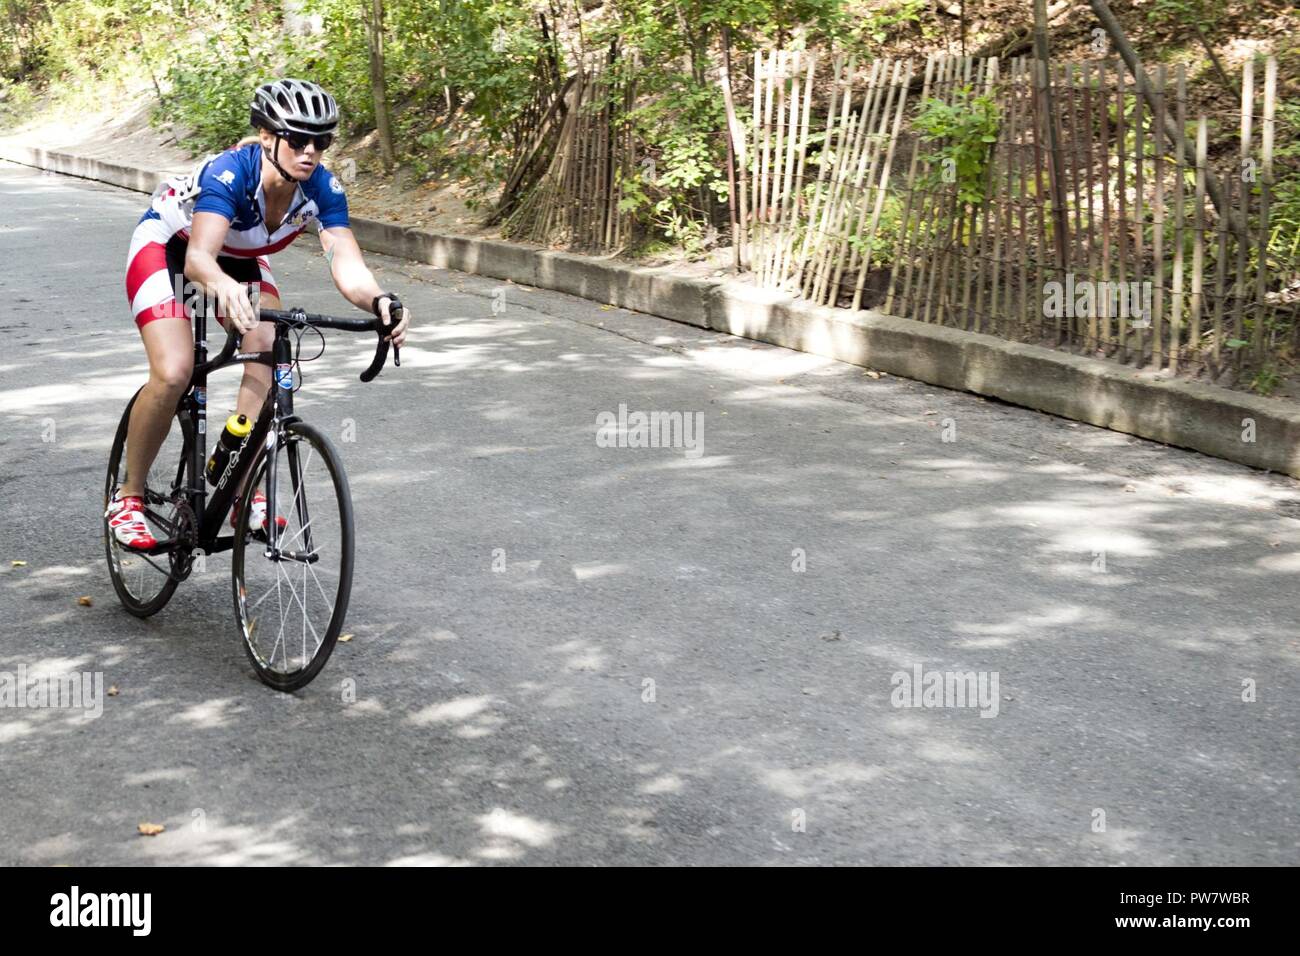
246,140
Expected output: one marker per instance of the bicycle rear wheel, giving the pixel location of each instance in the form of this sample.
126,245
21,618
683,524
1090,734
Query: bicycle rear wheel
145,582
291,601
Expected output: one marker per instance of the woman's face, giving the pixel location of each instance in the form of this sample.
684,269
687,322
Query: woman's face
299,164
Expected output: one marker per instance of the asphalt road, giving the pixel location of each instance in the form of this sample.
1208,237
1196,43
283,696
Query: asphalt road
573,654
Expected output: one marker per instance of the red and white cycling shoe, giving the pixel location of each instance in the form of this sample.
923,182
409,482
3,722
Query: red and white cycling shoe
258,517
126,521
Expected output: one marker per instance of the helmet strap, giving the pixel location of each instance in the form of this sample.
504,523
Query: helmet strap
270,154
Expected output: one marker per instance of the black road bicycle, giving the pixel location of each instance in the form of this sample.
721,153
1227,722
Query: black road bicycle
292,579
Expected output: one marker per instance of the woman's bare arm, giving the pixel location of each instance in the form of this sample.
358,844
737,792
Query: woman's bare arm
353,279
207,233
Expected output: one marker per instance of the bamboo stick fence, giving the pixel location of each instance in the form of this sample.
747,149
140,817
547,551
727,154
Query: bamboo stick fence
846,205
575,201
533,132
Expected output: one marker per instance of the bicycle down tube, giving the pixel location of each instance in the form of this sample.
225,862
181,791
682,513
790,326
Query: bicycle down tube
214,509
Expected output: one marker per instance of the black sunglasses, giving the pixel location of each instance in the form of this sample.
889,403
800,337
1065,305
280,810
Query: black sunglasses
298,141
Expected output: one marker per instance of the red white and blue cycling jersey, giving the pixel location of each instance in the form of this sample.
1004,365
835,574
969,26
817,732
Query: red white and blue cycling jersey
230,185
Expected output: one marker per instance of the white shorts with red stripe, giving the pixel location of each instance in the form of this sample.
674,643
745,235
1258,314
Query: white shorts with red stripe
155,279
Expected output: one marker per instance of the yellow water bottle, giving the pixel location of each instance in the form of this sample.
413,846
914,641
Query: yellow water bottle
232,436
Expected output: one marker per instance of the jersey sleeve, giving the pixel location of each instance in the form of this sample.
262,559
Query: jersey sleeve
331,201
220,185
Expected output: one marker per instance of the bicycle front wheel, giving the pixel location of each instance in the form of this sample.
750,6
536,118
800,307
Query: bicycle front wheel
292,586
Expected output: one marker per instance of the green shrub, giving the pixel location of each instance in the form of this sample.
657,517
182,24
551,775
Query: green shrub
961,137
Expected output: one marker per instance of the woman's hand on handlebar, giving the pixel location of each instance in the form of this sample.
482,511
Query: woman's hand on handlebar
398,335
232,300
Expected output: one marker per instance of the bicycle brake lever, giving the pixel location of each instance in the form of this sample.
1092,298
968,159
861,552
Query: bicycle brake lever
394,318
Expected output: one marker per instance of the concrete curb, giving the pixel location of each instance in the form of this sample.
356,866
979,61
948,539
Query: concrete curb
1239,427
128,177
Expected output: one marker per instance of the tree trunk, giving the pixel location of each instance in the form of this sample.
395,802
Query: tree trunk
378,89
1212,186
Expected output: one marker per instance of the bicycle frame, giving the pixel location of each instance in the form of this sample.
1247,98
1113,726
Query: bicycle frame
276,414
277,411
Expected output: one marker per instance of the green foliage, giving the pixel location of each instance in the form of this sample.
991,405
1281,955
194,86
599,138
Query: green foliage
684,166
1177,15
680,120
338,59
78,36
21,23
881,23
664,31
208,87
961,137
210,98
15,99
458,72
1284,219
1265,380
888,231
76,43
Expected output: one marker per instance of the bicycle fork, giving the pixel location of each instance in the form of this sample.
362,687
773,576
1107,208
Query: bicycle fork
282,401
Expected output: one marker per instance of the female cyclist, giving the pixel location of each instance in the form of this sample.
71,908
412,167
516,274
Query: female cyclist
216,228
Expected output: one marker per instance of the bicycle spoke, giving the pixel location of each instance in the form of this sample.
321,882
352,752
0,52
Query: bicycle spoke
299,484
280,632
149,561
301,605
256,604
304,622
284,545
328,600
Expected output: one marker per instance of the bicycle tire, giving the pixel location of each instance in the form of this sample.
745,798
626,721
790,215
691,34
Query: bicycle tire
295,434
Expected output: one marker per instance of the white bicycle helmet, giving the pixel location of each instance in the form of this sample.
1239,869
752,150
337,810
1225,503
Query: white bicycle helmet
294,106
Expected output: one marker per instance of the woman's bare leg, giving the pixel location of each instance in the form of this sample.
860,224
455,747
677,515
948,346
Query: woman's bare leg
169,344
257,378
